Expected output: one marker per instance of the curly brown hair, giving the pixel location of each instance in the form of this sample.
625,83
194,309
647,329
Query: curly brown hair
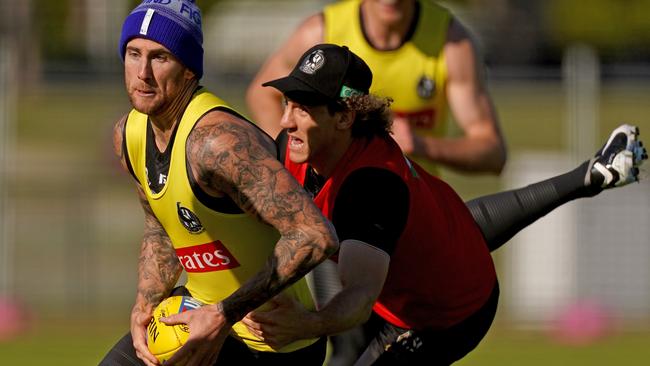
373,116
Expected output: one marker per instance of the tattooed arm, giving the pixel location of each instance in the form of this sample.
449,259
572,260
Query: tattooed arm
158,265
158,272
232,157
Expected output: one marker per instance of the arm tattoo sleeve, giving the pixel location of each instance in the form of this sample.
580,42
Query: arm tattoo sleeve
232,158
158,265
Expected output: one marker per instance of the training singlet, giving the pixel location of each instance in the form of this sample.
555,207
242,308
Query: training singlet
414,75
440,271
219,251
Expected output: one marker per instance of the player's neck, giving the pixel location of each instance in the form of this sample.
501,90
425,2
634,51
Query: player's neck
326,163
163,123
386,32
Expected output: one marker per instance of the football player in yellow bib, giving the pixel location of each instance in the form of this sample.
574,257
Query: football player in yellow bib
423,58
217,203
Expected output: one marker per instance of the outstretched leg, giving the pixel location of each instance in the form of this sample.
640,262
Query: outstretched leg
502,215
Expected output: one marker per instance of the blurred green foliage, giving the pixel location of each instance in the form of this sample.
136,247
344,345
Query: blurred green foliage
60,34
53,29
616,28
611,26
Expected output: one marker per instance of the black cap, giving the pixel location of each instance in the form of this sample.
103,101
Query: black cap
325,73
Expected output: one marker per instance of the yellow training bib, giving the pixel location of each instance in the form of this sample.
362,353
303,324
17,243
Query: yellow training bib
219,251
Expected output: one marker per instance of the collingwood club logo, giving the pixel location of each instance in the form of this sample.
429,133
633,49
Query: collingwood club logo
189,219
426,87
313,62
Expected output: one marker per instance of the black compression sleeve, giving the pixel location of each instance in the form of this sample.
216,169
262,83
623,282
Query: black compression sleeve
372,206
500,216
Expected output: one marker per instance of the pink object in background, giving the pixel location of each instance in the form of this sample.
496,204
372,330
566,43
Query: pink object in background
581,324
14,319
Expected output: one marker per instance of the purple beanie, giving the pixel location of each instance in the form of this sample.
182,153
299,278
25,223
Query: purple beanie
175,24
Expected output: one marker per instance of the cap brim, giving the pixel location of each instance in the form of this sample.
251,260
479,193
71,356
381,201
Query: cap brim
297,90
288,83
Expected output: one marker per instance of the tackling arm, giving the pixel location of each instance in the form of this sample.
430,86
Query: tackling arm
362,269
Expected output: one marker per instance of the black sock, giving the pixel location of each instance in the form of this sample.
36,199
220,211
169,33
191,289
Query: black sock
502,215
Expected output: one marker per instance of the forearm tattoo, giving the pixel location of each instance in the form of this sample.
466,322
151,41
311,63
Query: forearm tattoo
158,265
290,262
159,268
232,158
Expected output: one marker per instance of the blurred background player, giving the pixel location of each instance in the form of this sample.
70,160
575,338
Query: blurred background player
423,58
217,202
419,252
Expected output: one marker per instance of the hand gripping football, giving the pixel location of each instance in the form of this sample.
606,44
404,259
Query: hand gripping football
164,340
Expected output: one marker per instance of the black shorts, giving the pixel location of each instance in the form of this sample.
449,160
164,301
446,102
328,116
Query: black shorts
233,352
391,345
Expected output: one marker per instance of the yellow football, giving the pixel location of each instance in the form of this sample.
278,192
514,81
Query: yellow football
164,340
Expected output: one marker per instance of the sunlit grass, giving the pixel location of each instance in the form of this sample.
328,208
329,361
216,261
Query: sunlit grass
85,341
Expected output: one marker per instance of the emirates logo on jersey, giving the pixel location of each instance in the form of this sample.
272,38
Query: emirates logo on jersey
208,257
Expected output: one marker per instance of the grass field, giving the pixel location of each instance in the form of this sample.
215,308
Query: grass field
84,342
508,348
